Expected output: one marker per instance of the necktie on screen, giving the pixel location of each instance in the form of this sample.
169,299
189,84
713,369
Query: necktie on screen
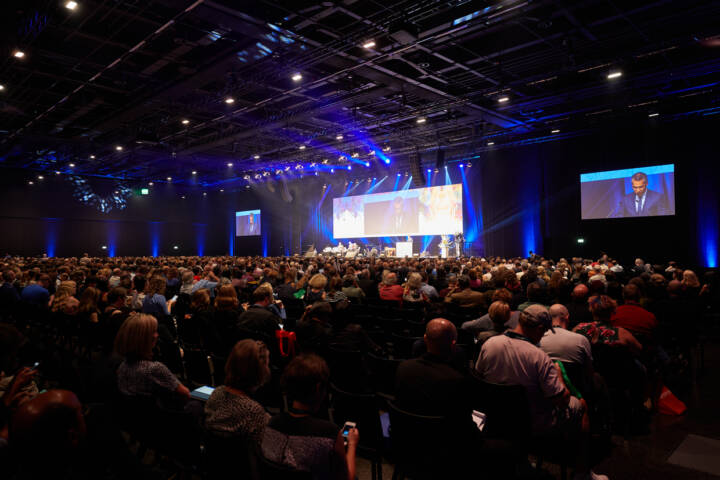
637,205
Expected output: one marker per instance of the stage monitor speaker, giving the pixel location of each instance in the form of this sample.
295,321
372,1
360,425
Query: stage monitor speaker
416,170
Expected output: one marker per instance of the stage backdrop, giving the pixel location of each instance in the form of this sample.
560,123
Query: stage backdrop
514,200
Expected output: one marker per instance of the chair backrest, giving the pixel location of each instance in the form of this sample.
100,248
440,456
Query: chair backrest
270,470
229,454
347,369
360,408
506,408
403,345
419,442
382,373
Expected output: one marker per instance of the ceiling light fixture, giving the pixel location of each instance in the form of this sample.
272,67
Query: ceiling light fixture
150,183
40,177
2,87
169,179
503,99
654,115
19,54
229,100
339,137
92,157
185,121
71,5
72,165
256,157
490,144
302,147
297,77
369,44
118,148
555,131
194,172
613,75
421,120
229,164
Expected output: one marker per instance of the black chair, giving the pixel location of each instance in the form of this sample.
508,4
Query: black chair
224,454
403,345
419,445
270,470
347,369
199,366
382,373
362,409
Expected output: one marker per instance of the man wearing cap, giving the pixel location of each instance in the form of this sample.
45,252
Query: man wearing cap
515,359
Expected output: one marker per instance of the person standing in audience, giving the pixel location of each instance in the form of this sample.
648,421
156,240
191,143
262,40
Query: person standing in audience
297,438
231,410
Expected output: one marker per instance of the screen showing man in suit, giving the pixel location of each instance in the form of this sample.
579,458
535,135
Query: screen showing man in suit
631,192
420,211
247,223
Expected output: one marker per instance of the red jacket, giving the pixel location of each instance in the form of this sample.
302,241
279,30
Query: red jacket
634,318
391,292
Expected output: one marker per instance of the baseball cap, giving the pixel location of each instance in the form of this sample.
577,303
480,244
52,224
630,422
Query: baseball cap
539,315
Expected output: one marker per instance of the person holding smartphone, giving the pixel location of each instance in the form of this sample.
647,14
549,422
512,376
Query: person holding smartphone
297,438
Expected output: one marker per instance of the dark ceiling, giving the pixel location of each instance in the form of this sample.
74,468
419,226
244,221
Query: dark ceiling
125,73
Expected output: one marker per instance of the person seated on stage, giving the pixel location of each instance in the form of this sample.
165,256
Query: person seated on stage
390,290
230,410
297,438
464,296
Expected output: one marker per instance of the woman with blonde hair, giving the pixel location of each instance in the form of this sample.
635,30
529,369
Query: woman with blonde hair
64,299
412,291
138,374
230,410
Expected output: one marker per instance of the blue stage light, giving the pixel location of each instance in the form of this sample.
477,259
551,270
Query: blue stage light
349,167
387,161
461,165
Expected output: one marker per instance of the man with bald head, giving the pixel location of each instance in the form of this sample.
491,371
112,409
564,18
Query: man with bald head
429,384
578,306
565,346
45,434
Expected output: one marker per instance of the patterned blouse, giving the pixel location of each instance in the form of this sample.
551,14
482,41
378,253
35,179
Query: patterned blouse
229,414
145,377
605,333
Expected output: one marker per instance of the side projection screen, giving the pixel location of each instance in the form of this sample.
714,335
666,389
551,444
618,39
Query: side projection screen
631,192
247,223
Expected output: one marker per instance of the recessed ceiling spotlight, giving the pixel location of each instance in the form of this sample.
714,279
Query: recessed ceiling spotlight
555,131
19,54
2,87
256,157
31,182
71,5
490,144
150,183
421,120
185,121
367,164
369,44
339,137
92,157
40,177
229,164
118,148
72,165
297,77
169,179
503,99
613,75
194,172
229,100
204,194
57,172
222,189
302,147
655,114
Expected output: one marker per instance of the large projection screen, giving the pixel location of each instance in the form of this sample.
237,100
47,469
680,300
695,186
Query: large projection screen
421,211
247,223
630,192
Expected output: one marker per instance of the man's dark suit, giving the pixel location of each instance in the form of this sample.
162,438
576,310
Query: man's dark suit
653,205
403,222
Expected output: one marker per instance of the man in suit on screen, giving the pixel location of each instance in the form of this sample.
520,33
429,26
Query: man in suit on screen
404,218
250,227
642,202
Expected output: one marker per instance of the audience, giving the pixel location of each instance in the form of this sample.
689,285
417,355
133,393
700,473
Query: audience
343,312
